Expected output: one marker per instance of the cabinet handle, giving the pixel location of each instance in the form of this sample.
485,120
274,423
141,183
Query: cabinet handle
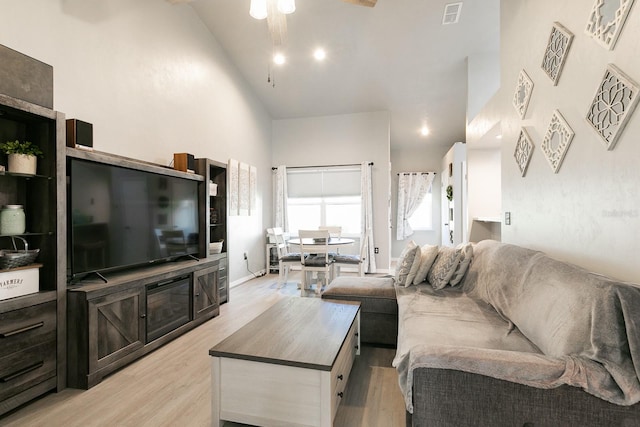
340,394
142,316
21,330
357,334
198,294
357,346
340,377
21,372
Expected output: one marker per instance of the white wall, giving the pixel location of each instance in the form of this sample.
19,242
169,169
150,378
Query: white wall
343,139
416,160
483,80
153,81
589,212
484,183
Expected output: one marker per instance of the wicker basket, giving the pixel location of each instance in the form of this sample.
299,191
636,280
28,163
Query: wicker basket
14,259
17,258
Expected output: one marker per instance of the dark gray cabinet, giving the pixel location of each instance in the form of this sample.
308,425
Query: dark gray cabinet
112,324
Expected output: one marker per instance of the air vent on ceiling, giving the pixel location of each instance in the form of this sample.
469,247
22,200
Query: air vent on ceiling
451,13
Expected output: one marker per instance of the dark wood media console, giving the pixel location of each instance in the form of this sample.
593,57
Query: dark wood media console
108,323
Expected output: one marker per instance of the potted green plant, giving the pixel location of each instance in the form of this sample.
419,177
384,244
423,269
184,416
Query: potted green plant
22,156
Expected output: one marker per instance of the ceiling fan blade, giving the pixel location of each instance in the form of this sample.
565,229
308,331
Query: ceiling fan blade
368,3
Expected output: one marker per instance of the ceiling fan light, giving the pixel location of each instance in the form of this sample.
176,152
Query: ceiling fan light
286,6
279,59
258,9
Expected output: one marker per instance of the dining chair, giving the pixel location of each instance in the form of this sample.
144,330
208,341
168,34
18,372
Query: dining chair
316,244
335,231
348,260
285,258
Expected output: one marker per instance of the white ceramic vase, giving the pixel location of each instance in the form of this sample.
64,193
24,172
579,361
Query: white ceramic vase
22,163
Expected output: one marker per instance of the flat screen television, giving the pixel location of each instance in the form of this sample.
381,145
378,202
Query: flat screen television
122,217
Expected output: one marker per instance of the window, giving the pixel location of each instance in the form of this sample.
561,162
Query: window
324,196
308,213
422,218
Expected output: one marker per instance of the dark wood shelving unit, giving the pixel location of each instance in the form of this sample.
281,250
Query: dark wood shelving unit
213,218
33,326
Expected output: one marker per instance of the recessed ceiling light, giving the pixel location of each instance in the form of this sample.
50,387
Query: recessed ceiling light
319,54
424,130
279,59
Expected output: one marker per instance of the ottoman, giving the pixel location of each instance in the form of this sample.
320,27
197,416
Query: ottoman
378,309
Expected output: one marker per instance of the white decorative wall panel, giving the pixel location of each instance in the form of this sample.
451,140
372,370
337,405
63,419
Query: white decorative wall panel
557,140
557,50
524,148
612,105
606,21
523,93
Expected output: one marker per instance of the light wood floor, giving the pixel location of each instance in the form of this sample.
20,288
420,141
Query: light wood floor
171,386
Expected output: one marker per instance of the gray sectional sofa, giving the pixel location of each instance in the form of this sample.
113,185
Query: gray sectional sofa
523,340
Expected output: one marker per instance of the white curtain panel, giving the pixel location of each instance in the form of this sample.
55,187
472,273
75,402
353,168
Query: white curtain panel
366,189
412,187
280,199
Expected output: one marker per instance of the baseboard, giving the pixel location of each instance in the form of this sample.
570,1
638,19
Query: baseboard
244,279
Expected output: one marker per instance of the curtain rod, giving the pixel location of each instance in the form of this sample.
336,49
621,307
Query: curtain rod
321,166
415,173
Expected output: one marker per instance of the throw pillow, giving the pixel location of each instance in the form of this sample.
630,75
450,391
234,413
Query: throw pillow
428,254
405,262
444,267
461,269
414,267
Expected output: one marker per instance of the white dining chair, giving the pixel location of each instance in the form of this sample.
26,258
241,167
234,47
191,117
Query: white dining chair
286,259
335,232
348,260
316,244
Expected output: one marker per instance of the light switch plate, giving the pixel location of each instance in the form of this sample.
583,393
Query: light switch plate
507,218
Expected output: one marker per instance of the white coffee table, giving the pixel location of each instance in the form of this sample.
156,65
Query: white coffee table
287,367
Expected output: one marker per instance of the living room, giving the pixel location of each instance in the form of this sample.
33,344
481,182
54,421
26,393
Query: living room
153,81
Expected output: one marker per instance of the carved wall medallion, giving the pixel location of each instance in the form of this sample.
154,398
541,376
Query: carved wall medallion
524,148
523,94
557,140
606,20
557,50
612,105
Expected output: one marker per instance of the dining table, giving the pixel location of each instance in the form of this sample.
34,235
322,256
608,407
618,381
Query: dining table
334,243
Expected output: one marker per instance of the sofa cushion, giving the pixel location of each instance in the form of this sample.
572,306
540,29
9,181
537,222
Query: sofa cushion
567,312
361,288
405,262
378,306
428,254
444,267
463,265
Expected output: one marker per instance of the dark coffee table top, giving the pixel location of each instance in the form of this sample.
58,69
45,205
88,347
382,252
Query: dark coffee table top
301,332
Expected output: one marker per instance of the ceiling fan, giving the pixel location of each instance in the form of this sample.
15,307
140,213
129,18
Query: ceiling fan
368,3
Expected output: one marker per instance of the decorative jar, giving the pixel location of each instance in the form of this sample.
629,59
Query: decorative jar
12,220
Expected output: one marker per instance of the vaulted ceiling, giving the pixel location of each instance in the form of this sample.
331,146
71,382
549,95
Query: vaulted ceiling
396,57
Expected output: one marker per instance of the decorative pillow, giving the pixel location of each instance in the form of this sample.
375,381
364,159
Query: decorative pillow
414,267
461,269
444,267
428,254
405,262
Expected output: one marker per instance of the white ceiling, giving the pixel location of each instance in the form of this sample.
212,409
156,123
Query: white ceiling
395,57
